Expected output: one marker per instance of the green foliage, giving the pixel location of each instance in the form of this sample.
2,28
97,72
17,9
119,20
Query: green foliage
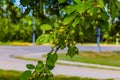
30,66
113,14
17,32
38,72
15,27
69,9
80,19
51,59
117,4
81,7
45,27
39,67
24,3
76,21
61,30
72,51
104,16
101,3
26,75
61,1
69,18
44,38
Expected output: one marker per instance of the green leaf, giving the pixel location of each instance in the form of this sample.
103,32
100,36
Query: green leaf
94,12
39,67
101,3
44,38
51,59
56,25
78,1
76,21
55,57
69,18
117,3
45,27
72,50
69,9
49,73
104,16
29,22
106,35
114,10
25,75
104,25
61,1
52,37
82,7
24,2
61,41
30,66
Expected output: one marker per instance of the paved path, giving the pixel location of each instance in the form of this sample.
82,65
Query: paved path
6,62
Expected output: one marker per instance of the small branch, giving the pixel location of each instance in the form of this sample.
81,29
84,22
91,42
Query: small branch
57,49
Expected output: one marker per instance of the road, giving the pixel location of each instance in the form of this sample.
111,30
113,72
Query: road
7,62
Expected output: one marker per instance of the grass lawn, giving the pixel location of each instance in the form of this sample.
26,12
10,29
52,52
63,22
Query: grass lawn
14,75
103,58
9,75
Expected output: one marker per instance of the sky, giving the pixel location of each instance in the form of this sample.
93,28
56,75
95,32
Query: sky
17,2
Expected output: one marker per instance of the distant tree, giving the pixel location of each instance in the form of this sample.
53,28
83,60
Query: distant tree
15,25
